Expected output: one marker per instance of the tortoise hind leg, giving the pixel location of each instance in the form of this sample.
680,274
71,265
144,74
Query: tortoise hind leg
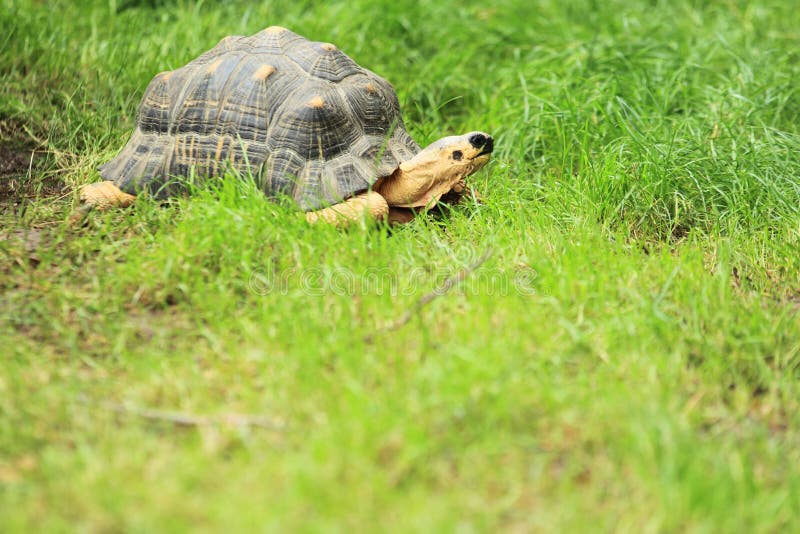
370,206
104,195
101,196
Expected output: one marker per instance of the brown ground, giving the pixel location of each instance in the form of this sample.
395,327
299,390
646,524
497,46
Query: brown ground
20,176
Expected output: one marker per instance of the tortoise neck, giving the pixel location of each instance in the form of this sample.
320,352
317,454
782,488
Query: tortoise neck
420,181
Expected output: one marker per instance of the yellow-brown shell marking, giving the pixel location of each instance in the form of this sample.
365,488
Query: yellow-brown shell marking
263,72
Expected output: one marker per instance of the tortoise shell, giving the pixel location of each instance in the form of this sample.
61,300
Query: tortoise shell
302,117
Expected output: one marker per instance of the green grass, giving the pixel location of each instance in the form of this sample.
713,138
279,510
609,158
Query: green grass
626,360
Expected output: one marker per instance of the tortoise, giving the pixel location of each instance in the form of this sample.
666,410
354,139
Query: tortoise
302,118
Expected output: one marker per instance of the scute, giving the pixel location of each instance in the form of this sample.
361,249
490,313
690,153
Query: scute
314,124
301,116
155,106
377,112
274,39
333,65
197,108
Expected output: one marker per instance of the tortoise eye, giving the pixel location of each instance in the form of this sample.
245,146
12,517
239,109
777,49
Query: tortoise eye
457,155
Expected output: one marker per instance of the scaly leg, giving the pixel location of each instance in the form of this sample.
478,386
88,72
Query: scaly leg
370,205
101,196
401,215
460,191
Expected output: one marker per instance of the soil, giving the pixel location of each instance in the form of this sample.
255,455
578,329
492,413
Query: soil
19,179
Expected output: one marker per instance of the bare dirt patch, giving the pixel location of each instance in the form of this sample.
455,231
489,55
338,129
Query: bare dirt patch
14,162
21,176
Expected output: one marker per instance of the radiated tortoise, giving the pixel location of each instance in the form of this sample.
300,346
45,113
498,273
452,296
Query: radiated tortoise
301,117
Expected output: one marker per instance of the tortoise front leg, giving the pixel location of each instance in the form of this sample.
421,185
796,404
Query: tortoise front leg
460,191
370,205
101,196
401,215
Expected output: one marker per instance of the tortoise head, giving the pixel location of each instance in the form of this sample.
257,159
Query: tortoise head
420,181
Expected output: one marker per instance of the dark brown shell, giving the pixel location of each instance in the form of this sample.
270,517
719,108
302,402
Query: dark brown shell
301,116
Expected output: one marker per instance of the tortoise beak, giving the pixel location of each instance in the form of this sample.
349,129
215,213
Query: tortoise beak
488,147
484,142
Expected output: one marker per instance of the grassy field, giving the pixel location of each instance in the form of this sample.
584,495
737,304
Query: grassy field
626,359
